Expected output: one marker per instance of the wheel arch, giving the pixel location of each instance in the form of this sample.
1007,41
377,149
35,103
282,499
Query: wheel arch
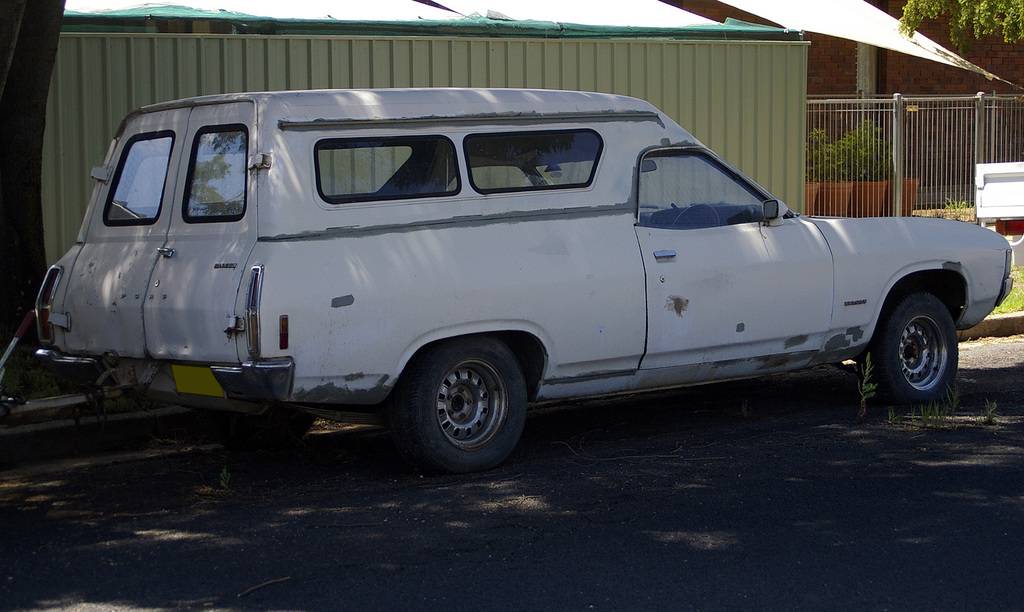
947,283
525,341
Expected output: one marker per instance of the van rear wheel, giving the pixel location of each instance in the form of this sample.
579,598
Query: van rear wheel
460,406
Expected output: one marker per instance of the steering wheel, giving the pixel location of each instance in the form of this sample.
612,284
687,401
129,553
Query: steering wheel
698,216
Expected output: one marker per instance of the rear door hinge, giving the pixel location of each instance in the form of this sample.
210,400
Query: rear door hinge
236,325
261,161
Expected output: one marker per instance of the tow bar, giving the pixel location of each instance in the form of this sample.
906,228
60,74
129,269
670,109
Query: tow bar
15,408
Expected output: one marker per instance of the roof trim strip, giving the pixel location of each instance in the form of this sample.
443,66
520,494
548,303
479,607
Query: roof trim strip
514,117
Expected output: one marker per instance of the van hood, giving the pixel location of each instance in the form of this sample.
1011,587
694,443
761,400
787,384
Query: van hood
901,233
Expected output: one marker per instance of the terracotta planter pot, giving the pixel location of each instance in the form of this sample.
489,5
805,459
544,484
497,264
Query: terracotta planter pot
833,199
811,189
910,186
869,198
909,196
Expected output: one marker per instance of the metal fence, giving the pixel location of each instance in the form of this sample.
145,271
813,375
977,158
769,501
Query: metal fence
906,154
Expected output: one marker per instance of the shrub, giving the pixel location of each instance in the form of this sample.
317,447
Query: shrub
862,154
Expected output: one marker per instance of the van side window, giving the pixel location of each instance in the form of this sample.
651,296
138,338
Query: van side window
691,190
215,189
137,189
388,168
528,161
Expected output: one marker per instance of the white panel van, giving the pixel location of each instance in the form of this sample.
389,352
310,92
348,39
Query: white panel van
441,258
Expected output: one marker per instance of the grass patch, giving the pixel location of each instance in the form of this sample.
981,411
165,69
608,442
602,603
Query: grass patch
990,412
937,413
932,414
1015,301
25,377
952,210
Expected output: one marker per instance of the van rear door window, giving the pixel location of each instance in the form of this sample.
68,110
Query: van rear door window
138,185
216,185
528,161
390,168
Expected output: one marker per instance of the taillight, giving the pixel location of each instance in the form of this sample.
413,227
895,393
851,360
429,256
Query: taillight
252,310
1012,227
282,332
44,303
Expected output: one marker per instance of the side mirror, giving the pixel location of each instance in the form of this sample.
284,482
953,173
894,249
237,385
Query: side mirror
771,209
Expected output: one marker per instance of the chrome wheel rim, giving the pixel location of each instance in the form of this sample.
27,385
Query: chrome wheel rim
922,353
472,403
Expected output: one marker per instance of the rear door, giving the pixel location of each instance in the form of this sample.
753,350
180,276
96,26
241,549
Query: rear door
128,224
191,300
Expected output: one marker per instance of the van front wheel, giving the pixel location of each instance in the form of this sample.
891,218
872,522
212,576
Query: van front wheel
915,351
460,406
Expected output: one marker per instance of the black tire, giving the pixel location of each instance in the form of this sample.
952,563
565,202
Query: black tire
891,351
274,429
429,408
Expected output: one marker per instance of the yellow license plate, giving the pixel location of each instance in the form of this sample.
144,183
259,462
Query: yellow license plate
196,380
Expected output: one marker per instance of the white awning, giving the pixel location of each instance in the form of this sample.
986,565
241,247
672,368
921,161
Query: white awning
372,10
854,20
634,13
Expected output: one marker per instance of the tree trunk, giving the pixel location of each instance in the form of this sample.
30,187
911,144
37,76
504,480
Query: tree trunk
29,32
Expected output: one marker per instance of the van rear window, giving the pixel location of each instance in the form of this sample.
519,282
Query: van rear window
529,161
389,168
216,185
138,186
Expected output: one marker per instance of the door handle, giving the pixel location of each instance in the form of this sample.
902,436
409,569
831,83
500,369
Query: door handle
665,254
165,251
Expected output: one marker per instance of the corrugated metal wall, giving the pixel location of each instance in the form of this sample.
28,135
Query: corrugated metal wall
743,99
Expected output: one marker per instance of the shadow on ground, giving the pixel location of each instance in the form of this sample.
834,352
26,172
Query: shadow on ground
753,494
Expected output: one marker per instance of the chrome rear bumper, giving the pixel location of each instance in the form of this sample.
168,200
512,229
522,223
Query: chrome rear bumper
261,381
265,380
81,370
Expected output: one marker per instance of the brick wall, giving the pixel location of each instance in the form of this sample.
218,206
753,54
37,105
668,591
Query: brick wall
907,74
832,62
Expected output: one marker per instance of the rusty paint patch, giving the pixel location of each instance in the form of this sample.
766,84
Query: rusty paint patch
331,393
845,339
771,362
343,300
956,266
677,304
588,376
839,341
795,341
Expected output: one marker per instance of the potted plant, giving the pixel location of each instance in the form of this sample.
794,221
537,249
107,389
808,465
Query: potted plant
909,198
828,167
868,159
817,143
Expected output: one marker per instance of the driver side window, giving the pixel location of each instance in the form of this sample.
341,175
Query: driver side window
691,190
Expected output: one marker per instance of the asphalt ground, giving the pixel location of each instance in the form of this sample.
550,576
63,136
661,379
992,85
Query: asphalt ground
757,494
